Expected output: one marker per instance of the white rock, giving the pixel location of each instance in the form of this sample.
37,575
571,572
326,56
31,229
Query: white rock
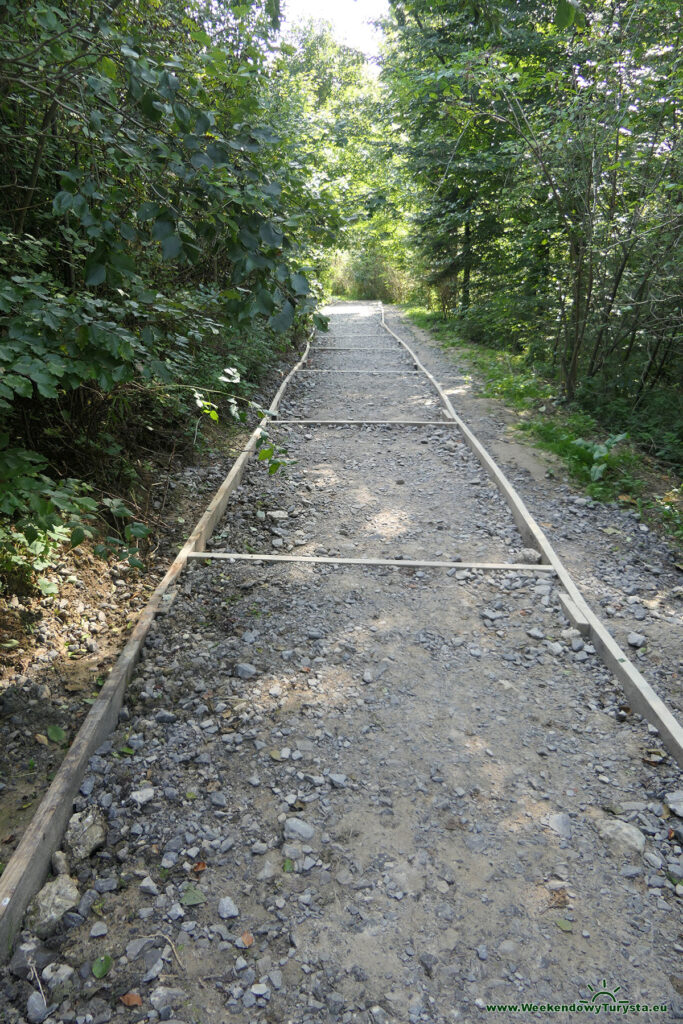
86,833
530,556
176,912
142,796
622,837
51,904
57,974
268,871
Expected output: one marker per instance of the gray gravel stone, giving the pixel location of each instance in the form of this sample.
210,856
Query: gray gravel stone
163,996
30,953
295,828
674,802
227,908
560,823
36,1010
60,863
243,670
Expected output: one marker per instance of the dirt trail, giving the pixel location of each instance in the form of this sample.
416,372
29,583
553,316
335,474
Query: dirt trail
367,793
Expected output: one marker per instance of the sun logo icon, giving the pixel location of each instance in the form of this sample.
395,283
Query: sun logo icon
607,997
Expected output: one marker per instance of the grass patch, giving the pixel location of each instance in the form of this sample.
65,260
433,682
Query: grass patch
609,466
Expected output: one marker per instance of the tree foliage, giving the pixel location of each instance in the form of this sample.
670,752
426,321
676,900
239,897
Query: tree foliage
544,144
149,214
341,131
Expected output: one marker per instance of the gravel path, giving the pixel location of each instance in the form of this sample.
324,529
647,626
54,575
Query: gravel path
363,793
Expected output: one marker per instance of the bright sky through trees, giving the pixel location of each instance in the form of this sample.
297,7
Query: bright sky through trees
350,18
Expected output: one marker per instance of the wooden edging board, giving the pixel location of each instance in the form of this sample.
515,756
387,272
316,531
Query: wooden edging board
28,865
354,348
359,373
370,423
642,697
399,563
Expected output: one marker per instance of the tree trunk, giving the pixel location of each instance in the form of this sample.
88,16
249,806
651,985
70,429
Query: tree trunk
467,266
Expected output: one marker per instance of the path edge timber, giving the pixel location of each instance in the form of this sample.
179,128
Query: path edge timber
28,866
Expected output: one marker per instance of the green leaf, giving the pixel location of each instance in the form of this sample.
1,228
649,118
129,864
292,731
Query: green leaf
77,536
171,247
182,115
271,235
102,966
47,587
263,302
62,202
95,273
249,240
192,897
20,385
108,68
128,232
162,229
564,925
150,105
148,211
284,319
199,160
299,284
564,15
56,734
138,530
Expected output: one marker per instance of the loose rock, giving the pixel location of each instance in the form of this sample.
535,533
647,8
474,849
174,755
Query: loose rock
86,833
51,904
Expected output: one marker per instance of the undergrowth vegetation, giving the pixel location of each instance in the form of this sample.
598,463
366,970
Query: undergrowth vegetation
611,467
